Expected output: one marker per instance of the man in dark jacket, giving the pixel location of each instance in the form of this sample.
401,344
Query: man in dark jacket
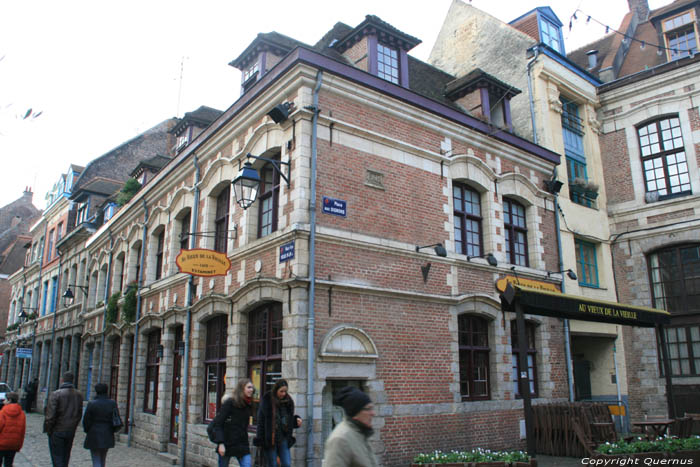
98,425
62,416
30,394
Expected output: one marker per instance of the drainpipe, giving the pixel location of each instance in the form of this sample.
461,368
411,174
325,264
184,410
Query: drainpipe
105,300
188,324
532,99
312,287
132,399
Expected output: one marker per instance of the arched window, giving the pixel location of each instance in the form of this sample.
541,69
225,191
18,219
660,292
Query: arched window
265,347
663,157
150,393
221,220
467,220
214,365
531,357
474,349
269,199
515,232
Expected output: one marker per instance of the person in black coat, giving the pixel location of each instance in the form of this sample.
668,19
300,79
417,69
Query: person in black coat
231,425
276,422
98,425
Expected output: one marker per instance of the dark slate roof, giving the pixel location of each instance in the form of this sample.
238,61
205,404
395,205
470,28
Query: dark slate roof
107,173
202,117
429,81
332,37
602,45
278,43
478,78
375,25
156,163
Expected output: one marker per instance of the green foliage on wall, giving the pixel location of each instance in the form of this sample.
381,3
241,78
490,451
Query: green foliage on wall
113,308
130,188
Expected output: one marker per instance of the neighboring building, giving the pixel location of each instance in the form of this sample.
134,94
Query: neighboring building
563,103
15,219
650,142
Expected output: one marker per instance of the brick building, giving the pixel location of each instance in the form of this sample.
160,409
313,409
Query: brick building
651,148
389,206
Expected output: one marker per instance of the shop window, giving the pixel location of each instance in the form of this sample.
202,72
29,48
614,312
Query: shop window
264,348
467,220
683,350
531,357
215,365
515,231
474,349
150,393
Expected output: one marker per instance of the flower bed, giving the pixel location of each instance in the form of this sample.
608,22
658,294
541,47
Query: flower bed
687,449
474,458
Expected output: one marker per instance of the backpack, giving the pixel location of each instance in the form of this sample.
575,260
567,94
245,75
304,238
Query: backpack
211,432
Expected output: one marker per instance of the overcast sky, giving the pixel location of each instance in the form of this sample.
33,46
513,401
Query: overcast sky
101,72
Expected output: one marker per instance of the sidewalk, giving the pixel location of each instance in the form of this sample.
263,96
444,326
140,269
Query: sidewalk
35,452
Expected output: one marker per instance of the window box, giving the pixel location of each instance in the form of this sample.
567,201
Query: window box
474,458
584,188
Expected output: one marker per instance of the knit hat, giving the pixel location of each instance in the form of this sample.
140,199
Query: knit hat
352,400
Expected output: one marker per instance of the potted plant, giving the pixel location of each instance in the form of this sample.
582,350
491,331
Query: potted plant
476,457
113,308
662,448
583,187
129,306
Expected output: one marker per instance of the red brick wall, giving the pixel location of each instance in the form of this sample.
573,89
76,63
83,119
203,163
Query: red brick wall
529,26
616,167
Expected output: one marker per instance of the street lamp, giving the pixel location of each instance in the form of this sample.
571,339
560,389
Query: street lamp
247,183
488,257
569,273
69,297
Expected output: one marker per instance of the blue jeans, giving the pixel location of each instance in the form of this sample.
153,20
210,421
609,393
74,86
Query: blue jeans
242,461
281,450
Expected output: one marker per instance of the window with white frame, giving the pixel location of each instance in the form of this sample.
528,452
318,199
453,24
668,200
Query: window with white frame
388,63
550,34
664,159
680,35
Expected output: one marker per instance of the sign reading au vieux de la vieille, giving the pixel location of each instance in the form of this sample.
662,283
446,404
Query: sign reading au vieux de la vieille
201,262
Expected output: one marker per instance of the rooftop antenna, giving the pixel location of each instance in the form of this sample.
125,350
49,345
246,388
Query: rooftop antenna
179,89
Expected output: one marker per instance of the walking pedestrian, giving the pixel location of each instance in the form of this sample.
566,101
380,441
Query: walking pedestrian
30,390
61,417
13,424
231,425
98,425
276,422
348,444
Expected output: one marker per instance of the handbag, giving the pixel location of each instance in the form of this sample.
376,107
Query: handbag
116,419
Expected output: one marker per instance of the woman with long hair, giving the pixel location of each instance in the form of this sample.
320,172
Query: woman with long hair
276,421
231,425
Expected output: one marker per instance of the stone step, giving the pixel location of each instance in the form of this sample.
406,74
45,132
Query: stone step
167,457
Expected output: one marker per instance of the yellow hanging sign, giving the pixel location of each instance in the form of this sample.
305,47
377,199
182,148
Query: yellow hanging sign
203,263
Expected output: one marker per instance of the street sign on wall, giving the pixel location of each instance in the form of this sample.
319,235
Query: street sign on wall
287,252
337,207
22,352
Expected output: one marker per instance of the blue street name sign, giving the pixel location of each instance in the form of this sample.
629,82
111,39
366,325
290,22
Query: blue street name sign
287,252
337,207
23,353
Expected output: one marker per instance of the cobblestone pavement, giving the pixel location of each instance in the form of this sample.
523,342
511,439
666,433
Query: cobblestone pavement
35,452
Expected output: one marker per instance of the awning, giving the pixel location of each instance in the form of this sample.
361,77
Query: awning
558,305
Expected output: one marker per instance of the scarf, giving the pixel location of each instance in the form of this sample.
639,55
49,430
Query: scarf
367,431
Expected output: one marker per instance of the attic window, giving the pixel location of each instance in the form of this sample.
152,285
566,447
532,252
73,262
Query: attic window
550,34
680,35
388,63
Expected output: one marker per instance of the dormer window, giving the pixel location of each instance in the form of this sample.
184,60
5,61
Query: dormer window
182,141
388,63
250,72
550,34
680,35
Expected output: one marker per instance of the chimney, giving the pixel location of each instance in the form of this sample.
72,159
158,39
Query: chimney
28,193
640,8
592,58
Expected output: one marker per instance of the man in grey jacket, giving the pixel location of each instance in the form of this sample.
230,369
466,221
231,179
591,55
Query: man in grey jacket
348,445
62,416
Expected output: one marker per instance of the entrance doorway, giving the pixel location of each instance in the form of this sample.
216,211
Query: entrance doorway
175,394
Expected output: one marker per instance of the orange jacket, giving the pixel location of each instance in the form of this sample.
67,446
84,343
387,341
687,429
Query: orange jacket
13,423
